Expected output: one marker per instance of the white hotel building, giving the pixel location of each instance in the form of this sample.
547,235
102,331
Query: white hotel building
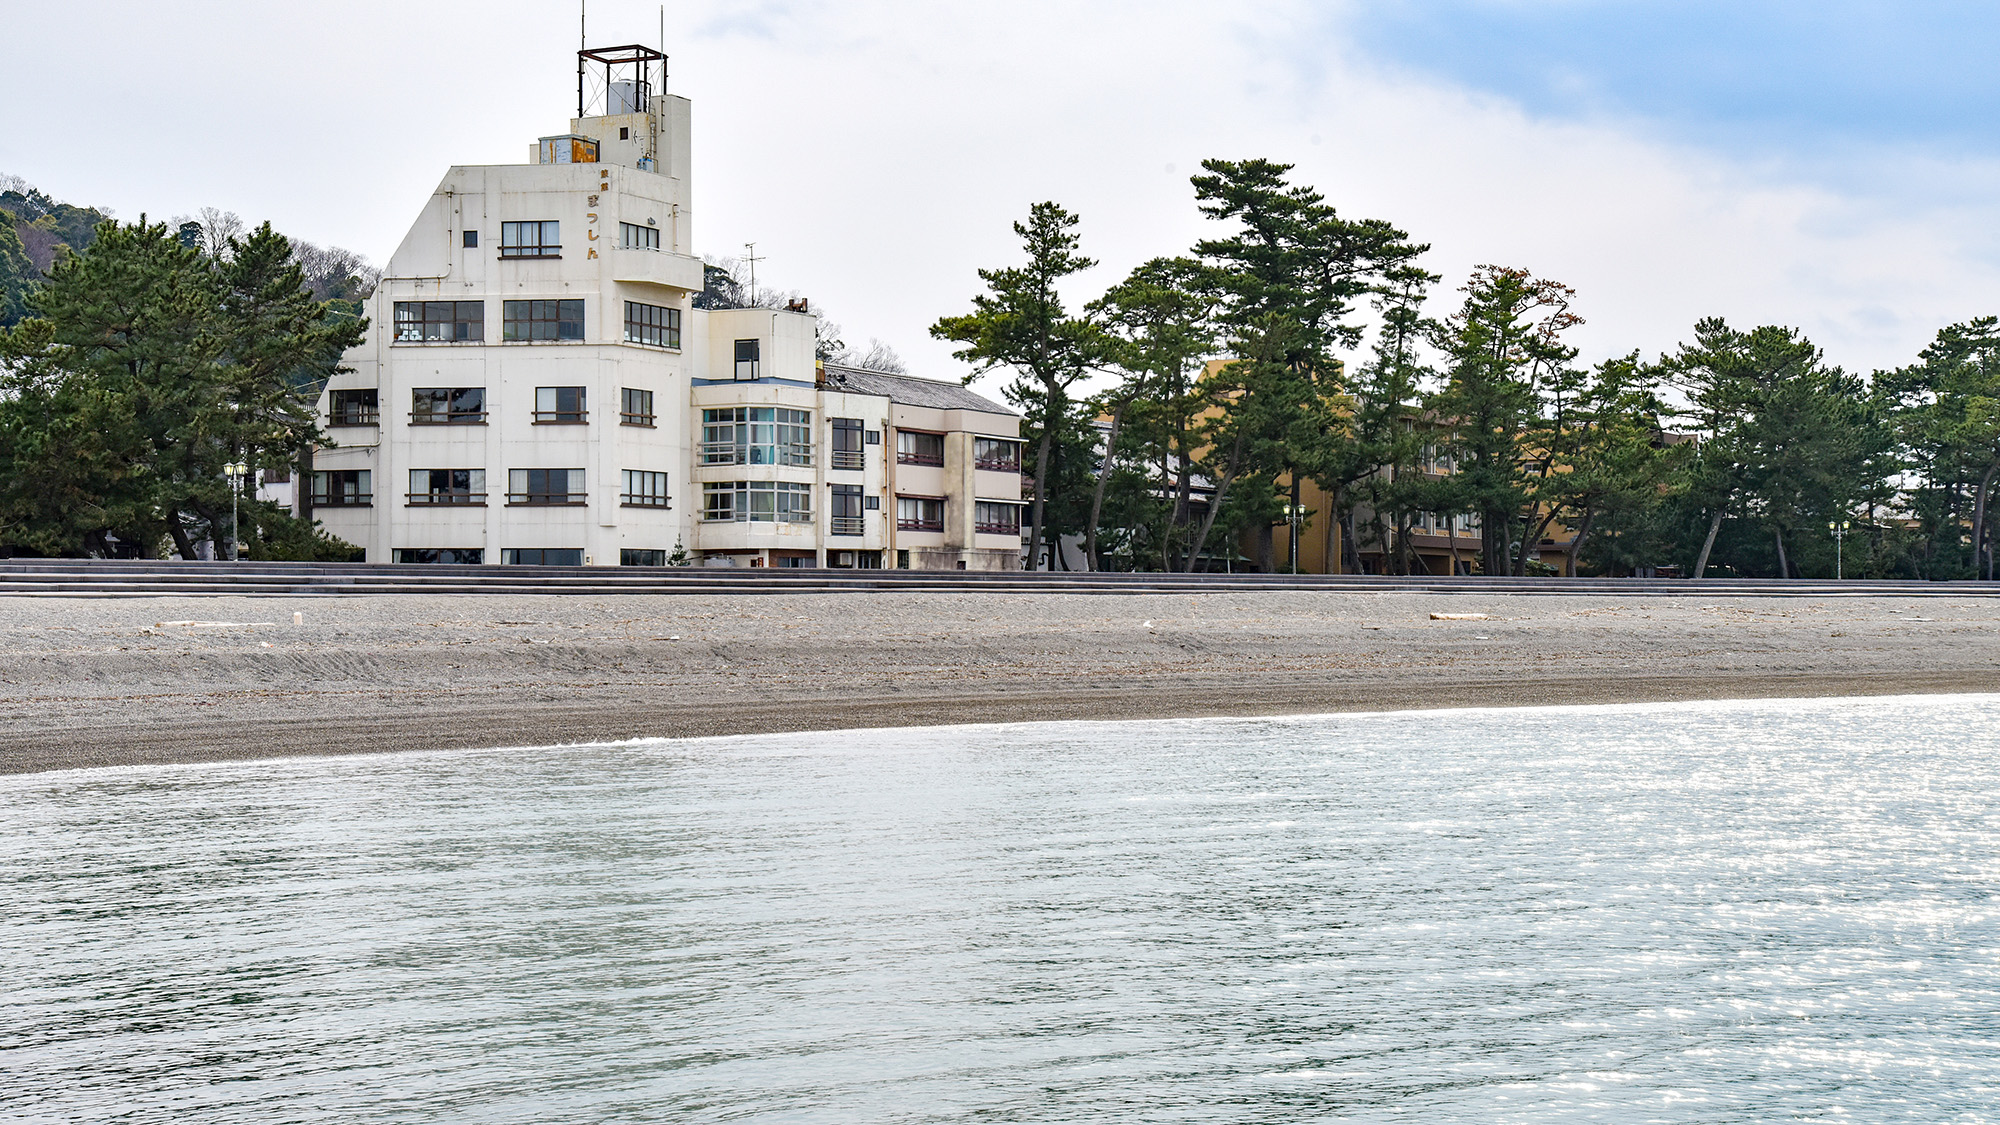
537,386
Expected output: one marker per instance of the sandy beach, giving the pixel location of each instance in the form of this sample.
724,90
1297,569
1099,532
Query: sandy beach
96,682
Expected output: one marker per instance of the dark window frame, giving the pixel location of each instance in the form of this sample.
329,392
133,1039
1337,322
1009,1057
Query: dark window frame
1009,462
321,488
915,457
438,322
628,415
450,494
354,406
478,556
653,326
514,239
647,496
1010,526
554,320
576,415
456,413
512,556
920,522
545,496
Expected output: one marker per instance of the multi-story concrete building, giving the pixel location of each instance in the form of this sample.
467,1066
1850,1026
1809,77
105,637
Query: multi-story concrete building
539,387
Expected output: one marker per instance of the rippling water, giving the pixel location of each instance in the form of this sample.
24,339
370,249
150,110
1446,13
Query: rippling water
1722,912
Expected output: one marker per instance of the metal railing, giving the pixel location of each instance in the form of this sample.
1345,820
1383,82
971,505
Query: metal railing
798,455
547,499
919,525
561,417
848,459
440,418
446,499
904,457
343,500
846,525
355,417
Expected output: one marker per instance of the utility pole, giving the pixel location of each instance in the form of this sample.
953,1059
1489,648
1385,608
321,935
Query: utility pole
750,256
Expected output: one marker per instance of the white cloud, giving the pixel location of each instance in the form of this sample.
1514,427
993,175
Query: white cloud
876,152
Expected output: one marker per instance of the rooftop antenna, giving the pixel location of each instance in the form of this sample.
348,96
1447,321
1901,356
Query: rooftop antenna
752,258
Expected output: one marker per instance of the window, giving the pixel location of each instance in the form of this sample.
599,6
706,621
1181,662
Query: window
342,488
854,560
872,503
542,556
447,486
448,406
632,236
989,518
531,240
471,239
635,407
545,487
559,406
624,132
756,435
462,556
644,490
757,501
351,408
630,557
919,513
440,321
843,515
913,448
749,353
541,320
652,324
997,454
846,452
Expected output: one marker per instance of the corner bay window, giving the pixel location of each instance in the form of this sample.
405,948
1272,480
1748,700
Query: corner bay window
846,451
542,320
537,239
342,488
351,408
919,513
448,406
560,406
430,487
989,518
635,407
756,435
997,454
913,448
541,556
644,490
464,556
657,325
632,236
432,321
843,515
756,501
545,487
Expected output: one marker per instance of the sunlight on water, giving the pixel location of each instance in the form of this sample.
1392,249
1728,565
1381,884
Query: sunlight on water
1718,912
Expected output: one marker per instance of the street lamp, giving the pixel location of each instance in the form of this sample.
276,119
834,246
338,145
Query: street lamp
1839,530
235,471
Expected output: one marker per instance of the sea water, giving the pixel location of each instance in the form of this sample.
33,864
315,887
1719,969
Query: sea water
1740,912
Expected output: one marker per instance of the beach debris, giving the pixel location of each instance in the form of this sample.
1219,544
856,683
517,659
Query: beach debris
1146,624
298,618
264,644
1376,627
1458,617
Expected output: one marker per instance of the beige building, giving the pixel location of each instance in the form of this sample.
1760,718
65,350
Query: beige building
539,387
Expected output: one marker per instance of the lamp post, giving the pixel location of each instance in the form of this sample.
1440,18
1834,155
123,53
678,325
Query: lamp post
1839,530
235,471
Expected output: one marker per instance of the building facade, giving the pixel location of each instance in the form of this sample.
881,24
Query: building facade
538,387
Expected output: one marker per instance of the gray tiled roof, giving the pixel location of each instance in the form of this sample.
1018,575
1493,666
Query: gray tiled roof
909,390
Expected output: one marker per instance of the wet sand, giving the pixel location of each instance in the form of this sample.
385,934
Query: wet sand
101,682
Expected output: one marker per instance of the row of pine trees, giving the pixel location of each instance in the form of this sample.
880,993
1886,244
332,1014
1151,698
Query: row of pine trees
1730,455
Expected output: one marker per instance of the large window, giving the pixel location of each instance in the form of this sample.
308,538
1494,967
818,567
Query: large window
448,406
919,513
749,357
989,518
542,320
541,556
632,236
757,501
846,451
545,487
756,435
464,556
652,324
913,448
644,490
539,239
460,321
342,488
351,408
843,515
630,556
997,454
560,406
447,486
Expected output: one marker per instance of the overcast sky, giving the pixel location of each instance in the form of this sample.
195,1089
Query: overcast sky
1825,165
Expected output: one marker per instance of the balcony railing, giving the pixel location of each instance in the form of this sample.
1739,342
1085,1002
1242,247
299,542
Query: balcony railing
919,525
625,419
905,457
643,501
846,525
354,416
562,417
439,418
447,499
848,459
997,528
792,455
344,500
997,465
712,515
547,499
